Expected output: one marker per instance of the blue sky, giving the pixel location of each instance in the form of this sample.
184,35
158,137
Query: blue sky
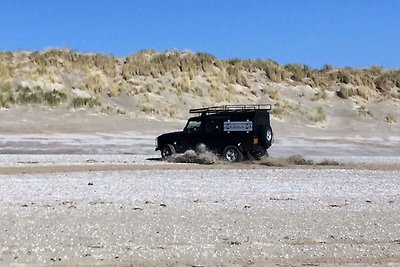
355,33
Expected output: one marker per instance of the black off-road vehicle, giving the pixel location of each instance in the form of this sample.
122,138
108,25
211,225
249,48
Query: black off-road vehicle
233,131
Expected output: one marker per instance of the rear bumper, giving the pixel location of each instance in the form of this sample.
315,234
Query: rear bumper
259,148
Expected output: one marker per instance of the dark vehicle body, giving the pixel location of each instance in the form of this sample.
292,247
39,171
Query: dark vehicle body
234,131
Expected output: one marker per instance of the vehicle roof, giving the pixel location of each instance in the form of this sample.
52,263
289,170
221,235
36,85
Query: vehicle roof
231,109
231,114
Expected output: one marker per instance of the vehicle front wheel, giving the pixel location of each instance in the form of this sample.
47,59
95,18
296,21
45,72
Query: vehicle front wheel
167,151
232,154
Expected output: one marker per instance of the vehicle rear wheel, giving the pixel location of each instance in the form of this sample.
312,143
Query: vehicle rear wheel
167,151
232,154
268,136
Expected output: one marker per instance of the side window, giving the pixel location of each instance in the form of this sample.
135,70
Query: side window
213,126
193,126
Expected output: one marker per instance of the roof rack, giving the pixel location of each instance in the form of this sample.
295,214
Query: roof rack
230,108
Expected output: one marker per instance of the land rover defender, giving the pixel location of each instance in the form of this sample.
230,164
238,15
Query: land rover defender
233,131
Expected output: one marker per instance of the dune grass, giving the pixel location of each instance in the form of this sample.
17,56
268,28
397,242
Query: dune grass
184,74
284,109
363,111
36,95
84,102
150,63
317,115
7,97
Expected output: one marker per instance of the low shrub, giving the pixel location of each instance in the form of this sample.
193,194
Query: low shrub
27,95
54,98
36,95
80,102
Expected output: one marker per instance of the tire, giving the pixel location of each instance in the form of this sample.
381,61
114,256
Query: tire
268,136
167,151
232,154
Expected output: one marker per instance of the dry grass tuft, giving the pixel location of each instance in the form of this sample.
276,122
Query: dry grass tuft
274,71
273,94
283,109
346,91
320,95
84,102
172,111
36,95
147,108
318,115
94,83
54,97
363,111
7,97
115,89
365,92
391,118
5,72
218,93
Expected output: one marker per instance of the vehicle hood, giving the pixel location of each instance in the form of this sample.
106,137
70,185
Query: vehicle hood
171,135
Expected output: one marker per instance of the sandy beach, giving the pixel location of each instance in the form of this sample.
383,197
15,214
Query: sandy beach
95,196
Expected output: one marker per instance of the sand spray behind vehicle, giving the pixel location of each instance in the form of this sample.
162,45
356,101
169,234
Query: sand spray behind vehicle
208,157
190,156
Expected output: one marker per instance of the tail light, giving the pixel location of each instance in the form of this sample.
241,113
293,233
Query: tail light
255,140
